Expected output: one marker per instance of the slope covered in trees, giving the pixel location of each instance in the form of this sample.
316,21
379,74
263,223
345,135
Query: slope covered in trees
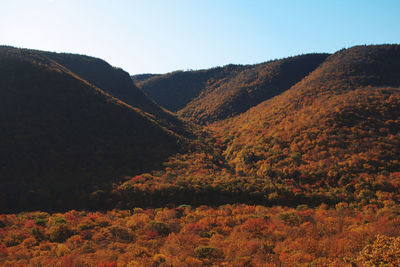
310,177
143,77
333,137
336,125
117,83
215,94
61,135
175,90
235,94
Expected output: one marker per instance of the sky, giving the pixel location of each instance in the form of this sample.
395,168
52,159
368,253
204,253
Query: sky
159,36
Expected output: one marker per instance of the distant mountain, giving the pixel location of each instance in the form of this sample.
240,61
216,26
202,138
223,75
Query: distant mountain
339,124
215,94
138,78
175,90
62,134
237,93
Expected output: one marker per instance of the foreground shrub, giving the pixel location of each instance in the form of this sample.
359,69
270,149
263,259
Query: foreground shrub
385,251
59,233
204,252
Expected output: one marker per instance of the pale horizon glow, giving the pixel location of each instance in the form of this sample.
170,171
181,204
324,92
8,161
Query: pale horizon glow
159,36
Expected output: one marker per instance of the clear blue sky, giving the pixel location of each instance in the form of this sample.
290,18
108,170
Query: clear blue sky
158,36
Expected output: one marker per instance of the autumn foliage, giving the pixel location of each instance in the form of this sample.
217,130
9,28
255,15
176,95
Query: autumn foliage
233,235
310,177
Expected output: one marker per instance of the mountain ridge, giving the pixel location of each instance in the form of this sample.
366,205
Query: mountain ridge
62,133
283,132
222,92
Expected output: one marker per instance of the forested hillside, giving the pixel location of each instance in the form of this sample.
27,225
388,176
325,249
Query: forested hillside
143,77
175,90
237,93
337,144
61,135
117,83
310,176
210,95
336,125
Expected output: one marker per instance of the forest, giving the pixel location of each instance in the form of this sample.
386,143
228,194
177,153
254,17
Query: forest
290,162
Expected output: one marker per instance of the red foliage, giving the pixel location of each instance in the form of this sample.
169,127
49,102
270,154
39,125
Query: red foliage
3,250
30,224
151,234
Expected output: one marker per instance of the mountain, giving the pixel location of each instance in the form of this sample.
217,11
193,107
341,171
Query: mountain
117,83
235,94
62,135
228,91
138,78
337,125
175,90
316,165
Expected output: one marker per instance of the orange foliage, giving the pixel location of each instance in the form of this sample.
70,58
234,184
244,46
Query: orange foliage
228,235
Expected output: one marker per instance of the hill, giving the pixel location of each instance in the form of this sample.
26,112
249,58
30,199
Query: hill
175,90
333,137
117,83
235,94
143,77
317,167
61,135
336,127
223,92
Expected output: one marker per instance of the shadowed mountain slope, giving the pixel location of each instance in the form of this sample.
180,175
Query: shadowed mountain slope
138,78
61,135
175,90
117,83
